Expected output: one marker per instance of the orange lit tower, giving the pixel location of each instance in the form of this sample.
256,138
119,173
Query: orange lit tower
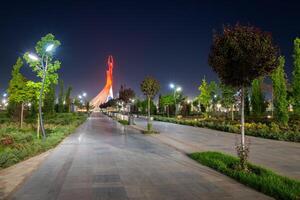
107,92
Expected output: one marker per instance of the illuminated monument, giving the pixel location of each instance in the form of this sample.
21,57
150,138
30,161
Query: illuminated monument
107,92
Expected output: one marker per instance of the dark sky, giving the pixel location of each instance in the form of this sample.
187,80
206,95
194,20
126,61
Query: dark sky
169,40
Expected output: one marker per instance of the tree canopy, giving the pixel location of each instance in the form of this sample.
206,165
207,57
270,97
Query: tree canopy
241,54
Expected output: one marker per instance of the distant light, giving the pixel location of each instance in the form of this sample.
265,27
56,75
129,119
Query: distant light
4,101
4,95
172,85
49,47
64,102
79,96
269,116
33,57
215,96
178,89
29,104
84,94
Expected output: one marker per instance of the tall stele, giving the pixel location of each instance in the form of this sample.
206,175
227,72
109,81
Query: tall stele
107,92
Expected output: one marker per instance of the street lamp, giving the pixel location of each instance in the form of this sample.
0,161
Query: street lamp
43,67
175,89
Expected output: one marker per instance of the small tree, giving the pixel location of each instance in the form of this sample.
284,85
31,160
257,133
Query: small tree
257,97
205,95
296,77
228,99
166,101
280,93
150,88
239,55
18,92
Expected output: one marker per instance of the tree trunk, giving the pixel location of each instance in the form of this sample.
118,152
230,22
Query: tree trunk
149,121
168,109
22,115
243,119
232,113
38,127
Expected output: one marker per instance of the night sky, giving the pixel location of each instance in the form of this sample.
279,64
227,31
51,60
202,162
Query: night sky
169,40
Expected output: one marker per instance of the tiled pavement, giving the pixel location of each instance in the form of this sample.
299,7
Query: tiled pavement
282,157
105,161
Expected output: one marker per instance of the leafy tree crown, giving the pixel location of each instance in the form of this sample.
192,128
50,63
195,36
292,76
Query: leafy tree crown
241,54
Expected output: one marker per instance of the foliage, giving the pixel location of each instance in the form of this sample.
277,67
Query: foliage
109,103
123,122
19,144
228,98
241,54
165,102
296,77
150,87
261,179
257,97
280,93
126,94
52,67
264,130
205,95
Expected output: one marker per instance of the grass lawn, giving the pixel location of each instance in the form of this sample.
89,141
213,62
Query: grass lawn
258,178
124,122
19,144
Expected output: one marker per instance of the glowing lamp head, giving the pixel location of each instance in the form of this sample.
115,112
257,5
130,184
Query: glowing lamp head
79,96
50,47
84,94
33,57
172,85
178,89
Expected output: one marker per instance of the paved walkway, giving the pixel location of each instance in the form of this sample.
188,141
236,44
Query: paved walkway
103,160
282,157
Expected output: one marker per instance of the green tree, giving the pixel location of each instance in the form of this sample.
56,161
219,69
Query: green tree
205,94
257,97
239,55
61,96
228,99
49,101
150,88
126,94
18,92
280,92
165,102
296,77
68,100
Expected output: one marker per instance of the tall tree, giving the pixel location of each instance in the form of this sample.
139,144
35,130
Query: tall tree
280,92
296,77
228,99
150,88
49,101
61,96
239,55
257,97
18,92
68,100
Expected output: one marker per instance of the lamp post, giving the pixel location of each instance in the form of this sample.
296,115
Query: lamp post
44,66
175,89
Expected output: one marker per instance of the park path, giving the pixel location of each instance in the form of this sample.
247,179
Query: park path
104,160
282,157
